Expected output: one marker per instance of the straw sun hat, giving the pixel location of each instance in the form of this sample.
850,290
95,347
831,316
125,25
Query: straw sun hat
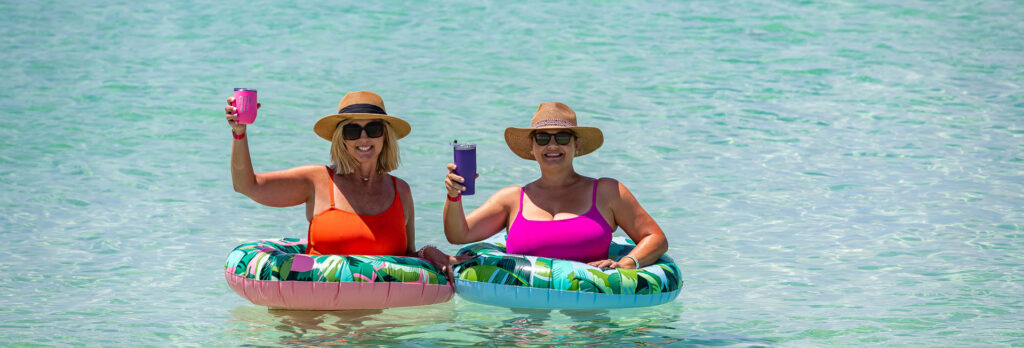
552,116
362,105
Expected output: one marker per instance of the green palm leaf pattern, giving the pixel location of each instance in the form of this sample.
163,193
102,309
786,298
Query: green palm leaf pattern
493,274
491,264
285,259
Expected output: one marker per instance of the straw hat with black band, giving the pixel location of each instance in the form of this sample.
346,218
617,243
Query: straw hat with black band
552,116
362,105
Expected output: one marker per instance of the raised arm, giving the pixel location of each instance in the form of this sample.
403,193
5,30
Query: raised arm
282,188
490,218
636,222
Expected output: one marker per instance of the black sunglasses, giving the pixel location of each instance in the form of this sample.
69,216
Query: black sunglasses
562,138
354,131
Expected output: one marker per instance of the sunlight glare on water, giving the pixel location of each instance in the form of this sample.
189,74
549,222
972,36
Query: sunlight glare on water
826,173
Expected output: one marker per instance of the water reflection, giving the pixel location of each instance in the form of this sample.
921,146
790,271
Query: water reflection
573,327
384,327
466,324
302,323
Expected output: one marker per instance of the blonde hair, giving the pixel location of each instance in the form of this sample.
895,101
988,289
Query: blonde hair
345,164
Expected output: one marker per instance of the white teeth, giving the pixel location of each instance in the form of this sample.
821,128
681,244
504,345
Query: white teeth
552,155
363,148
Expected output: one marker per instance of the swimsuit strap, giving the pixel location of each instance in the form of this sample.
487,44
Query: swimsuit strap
595,214
522,192
330,174
394,183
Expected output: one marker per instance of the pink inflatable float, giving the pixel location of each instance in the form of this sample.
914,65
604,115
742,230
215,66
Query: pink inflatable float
277,274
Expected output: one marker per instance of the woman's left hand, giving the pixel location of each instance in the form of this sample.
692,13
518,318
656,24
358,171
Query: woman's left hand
442,261
625,263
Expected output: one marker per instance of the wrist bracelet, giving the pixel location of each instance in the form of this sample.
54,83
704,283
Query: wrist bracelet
635,261
456,199
242,136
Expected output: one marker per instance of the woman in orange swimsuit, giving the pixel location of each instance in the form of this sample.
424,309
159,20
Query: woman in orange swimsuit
562,214
354,206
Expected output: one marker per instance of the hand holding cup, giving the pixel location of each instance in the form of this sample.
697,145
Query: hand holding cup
453,182
231,114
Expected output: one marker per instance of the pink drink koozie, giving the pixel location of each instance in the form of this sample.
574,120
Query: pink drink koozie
245,104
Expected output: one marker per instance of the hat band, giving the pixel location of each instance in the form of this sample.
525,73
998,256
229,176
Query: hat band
552,123
362,109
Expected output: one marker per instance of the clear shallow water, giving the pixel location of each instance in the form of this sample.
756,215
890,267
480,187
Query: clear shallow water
834,173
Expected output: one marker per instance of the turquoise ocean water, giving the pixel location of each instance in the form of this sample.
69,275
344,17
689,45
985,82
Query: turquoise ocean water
827,173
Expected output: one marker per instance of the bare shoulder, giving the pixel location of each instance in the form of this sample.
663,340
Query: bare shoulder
312,169
405,194
309,171
610,189
403,187
506,195
508,191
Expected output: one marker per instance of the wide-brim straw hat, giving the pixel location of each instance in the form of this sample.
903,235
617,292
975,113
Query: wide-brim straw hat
362,105
552,116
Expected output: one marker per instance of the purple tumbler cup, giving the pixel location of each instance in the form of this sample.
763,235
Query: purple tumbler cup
465,165
245,104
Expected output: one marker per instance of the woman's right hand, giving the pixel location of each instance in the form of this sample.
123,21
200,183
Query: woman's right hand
231,113
453,182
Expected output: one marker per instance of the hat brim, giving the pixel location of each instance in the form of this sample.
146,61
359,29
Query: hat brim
327,125
518,139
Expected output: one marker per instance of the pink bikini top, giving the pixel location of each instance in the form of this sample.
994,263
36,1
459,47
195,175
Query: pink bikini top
584,238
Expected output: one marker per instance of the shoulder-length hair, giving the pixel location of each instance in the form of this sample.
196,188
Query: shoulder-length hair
387,161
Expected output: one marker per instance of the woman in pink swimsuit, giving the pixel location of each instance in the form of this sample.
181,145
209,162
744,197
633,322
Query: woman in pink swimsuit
562,214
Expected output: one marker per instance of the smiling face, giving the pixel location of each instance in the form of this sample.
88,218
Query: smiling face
366,148
554,147
357,142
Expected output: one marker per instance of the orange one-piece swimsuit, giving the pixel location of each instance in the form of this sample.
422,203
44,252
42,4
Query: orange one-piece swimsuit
339,232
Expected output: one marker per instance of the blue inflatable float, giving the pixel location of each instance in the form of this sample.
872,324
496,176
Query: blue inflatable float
496,278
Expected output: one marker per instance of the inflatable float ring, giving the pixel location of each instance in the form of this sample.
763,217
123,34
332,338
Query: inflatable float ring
496,278
278,274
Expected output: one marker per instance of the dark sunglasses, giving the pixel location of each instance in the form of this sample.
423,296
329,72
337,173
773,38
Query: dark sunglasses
354,131
562,138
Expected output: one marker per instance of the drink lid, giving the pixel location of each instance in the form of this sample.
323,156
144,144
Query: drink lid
457,146
246,89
